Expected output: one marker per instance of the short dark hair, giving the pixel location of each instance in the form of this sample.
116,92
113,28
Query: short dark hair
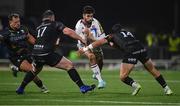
47,13
116,28
88,10
13,15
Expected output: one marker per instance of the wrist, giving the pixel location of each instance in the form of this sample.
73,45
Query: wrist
90,46
85,49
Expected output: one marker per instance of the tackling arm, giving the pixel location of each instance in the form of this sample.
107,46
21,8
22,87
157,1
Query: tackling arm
72,34
93,45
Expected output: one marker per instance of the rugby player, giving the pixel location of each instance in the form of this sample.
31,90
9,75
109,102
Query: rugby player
133,51
91,30
17,39
44,50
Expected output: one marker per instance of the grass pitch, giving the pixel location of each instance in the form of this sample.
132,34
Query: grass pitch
64,92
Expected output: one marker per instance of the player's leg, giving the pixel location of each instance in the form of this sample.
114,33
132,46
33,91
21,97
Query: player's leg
30,75
95,68
40,84
125,70
36,80
15,70
99,57
151,68
99,61
67,65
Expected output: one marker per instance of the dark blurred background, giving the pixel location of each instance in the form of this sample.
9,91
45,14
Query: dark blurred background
154,22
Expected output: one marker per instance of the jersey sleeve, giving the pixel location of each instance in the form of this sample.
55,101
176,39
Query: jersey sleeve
109,38
78,28
59,26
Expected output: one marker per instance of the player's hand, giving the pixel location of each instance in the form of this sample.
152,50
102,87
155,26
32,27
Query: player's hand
83,41
86,31
82,50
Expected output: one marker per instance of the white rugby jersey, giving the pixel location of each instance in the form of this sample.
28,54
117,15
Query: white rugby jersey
95,28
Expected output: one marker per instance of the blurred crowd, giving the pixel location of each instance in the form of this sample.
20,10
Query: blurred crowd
165,42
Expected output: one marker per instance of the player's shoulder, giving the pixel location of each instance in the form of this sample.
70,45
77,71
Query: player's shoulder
79,22
95,20
24,29
5,32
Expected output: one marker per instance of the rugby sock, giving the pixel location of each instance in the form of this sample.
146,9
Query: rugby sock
96,71
75,77
128,81
38,82
28,78
161,81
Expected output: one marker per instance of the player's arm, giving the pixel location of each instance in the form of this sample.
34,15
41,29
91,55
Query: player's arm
71,33
97,43
31,39
93,45
79,31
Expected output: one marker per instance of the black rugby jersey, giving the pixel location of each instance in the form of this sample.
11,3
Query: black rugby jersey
124,41
16,40
47,34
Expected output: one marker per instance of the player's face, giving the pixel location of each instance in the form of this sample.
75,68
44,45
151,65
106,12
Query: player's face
88,17
15,23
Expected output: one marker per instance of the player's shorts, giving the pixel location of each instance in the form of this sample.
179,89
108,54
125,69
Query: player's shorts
98,53
132,58
50,59
18,59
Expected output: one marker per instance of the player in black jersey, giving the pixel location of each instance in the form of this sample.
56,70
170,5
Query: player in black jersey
44,49
133,51
17,39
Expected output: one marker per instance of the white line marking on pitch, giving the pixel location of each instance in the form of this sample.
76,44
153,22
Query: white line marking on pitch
86,101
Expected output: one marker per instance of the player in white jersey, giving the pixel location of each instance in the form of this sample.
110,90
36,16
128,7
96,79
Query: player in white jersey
90,30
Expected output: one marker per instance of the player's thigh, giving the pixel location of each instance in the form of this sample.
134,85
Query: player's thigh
65,64
26,66
127,65
90,54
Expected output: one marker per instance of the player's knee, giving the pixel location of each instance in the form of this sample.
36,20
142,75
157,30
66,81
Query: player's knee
69,66
91,56
123,76
149,66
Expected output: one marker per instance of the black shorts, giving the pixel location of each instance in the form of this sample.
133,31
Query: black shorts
50,59
17,59
132,58
98,53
